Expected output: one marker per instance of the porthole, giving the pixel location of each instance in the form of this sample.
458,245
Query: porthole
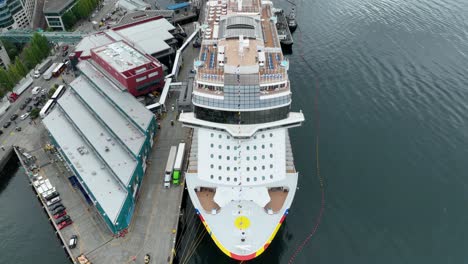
263,135
228,179
255,137
219,177
263,146
212,135
235,147
220,167
255,178
235,158
212,166
248,168
248,158
271,176
255,168
228,137
211,155
255,147
263,156
271,166
255,157
263,178
248,148
220,157
271,145
228,168
263,167
228,147
219,146
235,179
212,145
248,179
228,158
211,176
219,136
271,134
235,168
271,155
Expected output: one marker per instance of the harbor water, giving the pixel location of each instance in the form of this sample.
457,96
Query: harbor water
391,82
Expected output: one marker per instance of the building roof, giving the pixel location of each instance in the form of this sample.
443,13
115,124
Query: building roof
149,36
133,5
56,6
135,16
129,105
93,41
104,187
101,131
121,56
178,6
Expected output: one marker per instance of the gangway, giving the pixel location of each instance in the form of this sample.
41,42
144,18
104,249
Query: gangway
25,35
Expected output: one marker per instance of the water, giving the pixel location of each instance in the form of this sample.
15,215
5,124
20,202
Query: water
26,236
393,87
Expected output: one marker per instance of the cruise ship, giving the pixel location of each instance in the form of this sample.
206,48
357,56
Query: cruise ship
241,176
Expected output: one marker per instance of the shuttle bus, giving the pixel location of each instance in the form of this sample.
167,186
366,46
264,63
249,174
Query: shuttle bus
178,164
46,109
48,74
60,90
59,69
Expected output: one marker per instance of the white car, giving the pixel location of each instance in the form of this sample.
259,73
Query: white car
24,116
36,75
36,90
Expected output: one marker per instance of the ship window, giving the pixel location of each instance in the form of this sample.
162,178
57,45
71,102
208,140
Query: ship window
219,146
263,178
248,148
255,137
248,179
220,167
271,145
255,147
228,137
263,146
255,168
248,158
271,134
255,178
212,145
228,168
263,167
228,147
219,177
228,179
255,157
271,176
248,168
219,136
220,157
228,158
271,166
263,135
235,168
211,155
212,166
212,135
271,155
211,176
235,179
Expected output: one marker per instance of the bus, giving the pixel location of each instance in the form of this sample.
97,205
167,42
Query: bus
169,167
60,90
178,164
59,69
46,109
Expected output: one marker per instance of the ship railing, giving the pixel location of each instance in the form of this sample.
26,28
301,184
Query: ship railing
272,76
211,75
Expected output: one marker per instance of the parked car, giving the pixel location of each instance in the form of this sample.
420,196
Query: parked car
37,103
29,108
55,206
65,53
23,106
53,201
28,100
60,214
24,116
73,241
61,219
13,117
58,210
36,90
7,124
18,129
51,196
64,224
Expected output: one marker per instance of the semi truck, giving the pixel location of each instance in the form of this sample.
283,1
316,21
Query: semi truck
42,67
178,164
48,74
169,167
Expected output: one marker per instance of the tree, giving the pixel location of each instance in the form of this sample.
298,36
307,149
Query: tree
5,82
21,69
34,113
52,91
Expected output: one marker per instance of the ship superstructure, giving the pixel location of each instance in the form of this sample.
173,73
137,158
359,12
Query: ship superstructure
241,176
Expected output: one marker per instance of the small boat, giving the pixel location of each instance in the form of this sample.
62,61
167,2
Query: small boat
291,18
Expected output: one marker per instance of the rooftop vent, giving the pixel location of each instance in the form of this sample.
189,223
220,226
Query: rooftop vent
106,149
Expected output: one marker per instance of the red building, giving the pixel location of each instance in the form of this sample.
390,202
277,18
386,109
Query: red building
139,73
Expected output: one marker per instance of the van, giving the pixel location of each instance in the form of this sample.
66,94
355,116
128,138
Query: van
167,180
53,201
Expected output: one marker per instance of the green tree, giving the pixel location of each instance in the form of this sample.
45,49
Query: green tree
22,70
10,48
34,113
29,58
5,82
13,74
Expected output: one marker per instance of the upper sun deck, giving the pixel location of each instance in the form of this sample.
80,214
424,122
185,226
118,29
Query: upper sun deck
240,40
